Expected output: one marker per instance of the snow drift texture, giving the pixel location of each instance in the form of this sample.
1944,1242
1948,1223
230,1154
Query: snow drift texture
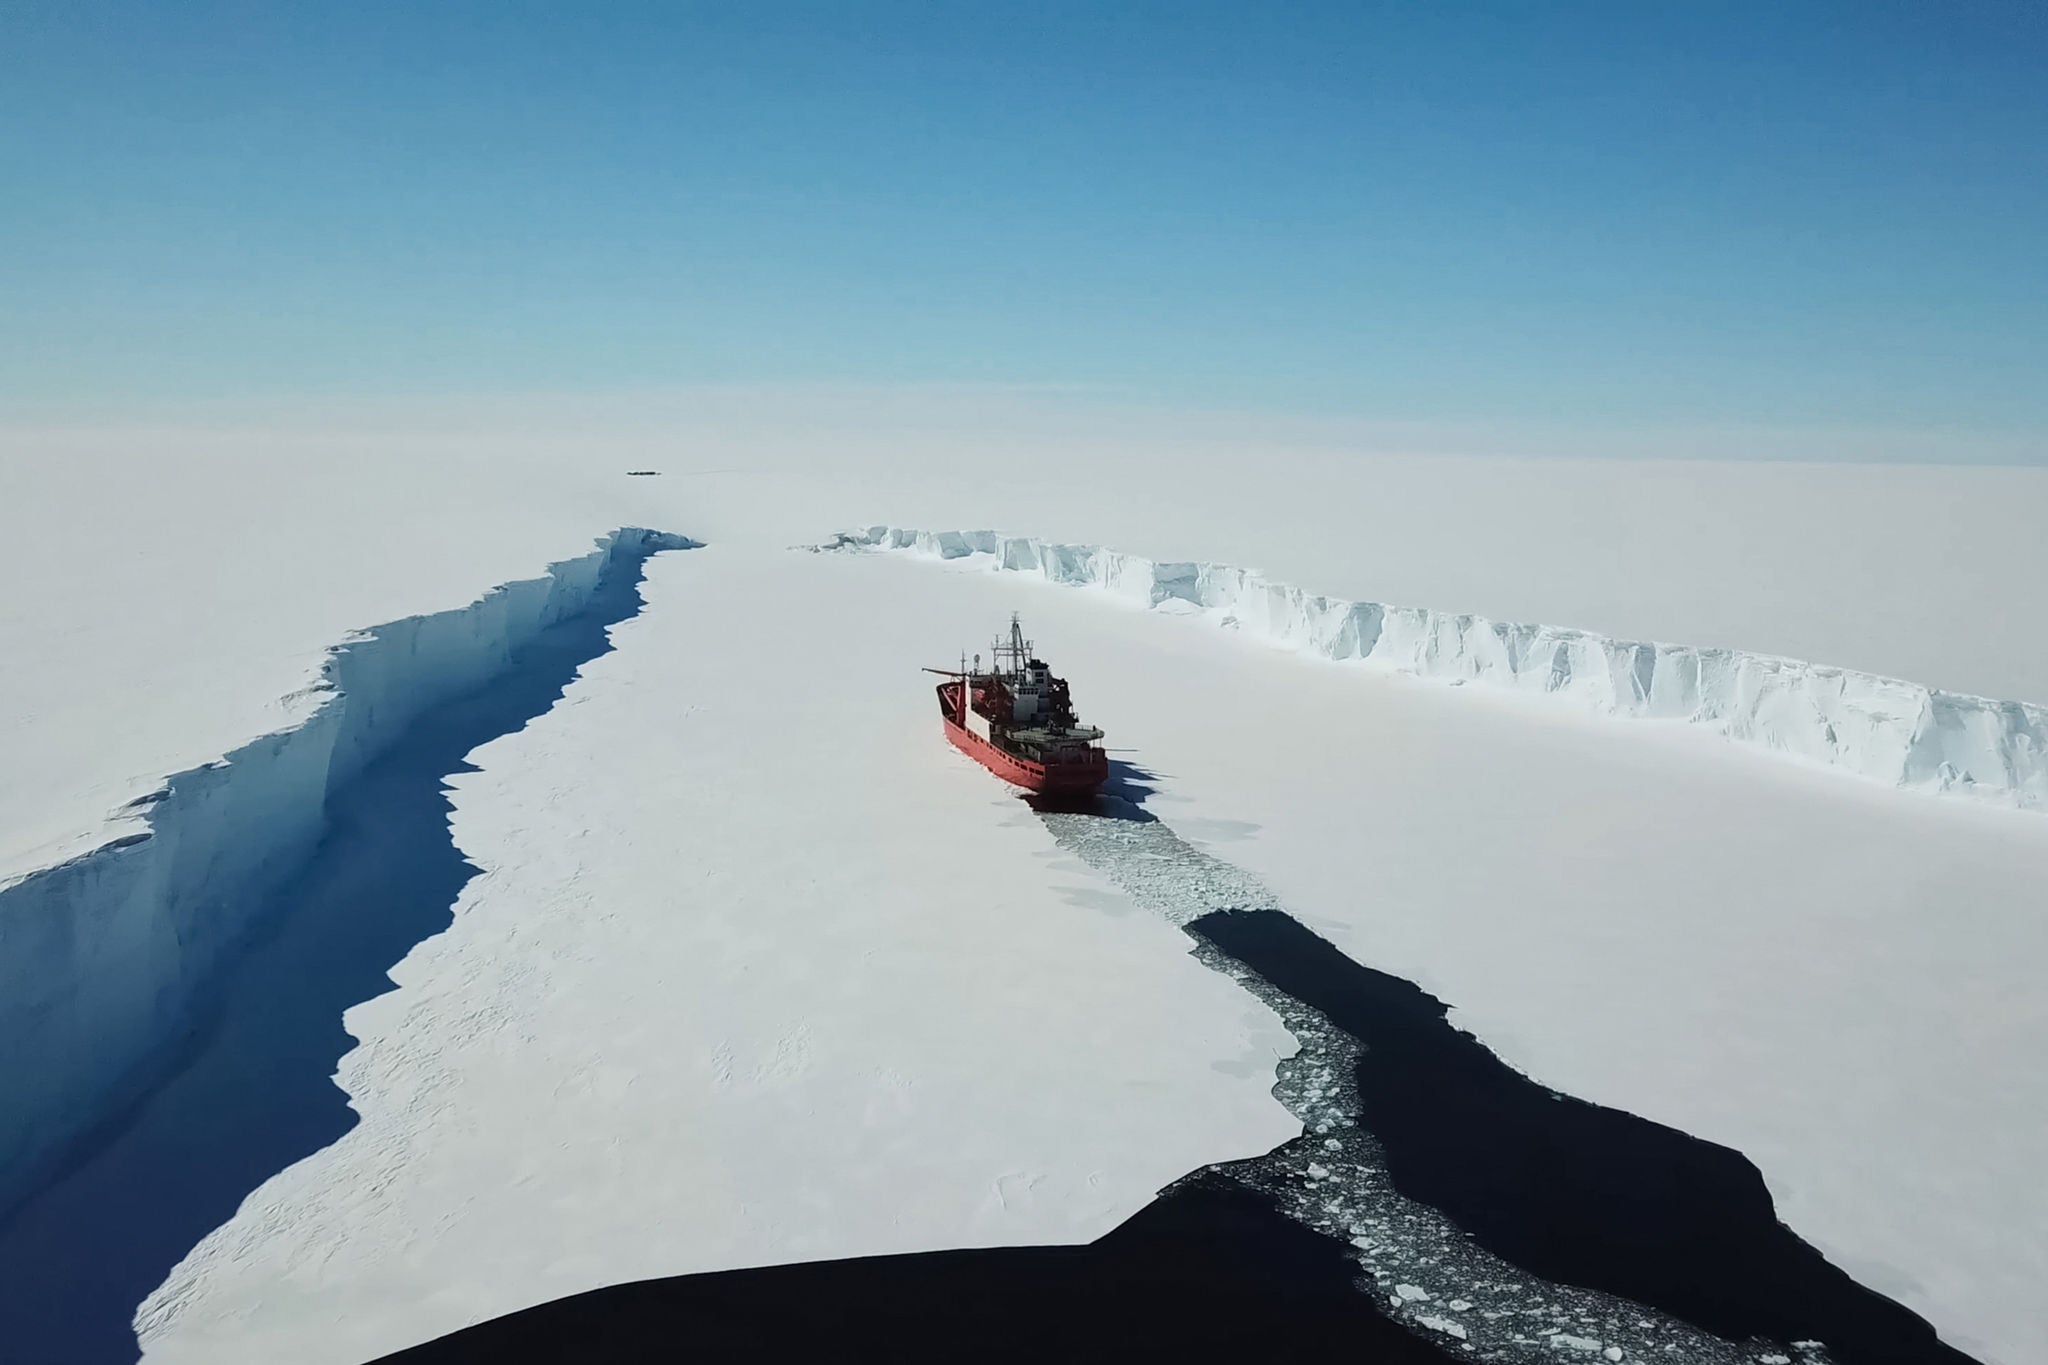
102,958
1896,732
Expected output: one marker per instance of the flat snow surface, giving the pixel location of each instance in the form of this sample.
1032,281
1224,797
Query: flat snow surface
759,974
1836,980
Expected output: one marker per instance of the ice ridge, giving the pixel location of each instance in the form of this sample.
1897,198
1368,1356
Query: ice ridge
104,957
1896,732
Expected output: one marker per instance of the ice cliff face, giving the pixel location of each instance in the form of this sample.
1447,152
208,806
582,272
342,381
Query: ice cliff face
104,959
1895,732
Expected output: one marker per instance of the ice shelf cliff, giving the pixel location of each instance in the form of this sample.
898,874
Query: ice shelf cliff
1896,732
105,958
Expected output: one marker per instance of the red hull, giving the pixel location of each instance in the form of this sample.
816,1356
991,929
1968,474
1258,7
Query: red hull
1065,779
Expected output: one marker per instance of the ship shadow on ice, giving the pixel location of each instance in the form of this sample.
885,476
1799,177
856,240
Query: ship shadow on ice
255,1091
1572,1192
1208,1271
1122,796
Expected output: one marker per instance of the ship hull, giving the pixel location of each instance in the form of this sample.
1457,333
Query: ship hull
1057,779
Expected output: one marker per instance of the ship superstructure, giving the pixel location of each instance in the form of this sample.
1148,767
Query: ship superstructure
1017,720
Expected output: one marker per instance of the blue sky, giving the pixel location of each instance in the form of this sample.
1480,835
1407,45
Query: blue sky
1548,212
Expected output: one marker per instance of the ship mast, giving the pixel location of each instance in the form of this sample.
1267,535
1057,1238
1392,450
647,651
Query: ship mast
1017,648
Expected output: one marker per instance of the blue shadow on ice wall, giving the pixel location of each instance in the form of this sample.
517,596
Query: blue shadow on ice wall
256,1092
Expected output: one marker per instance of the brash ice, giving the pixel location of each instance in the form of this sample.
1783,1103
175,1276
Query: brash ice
1017,720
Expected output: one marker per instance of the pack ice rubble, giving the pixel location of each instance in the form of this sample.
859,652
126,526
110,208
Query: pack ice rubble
1896,732
103,957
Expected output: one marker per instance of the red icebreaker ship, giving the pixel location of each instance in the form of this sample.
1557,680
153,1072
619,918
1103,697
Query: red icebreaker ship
1017,720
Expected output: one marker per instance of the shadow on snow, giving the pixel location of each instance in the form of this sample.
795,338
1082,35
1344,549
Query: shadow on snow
1207,1272
1122,796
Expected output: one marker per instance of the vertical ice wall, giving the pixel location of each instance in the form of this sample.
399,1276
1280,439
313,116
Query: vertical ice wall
102,958
1896,732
